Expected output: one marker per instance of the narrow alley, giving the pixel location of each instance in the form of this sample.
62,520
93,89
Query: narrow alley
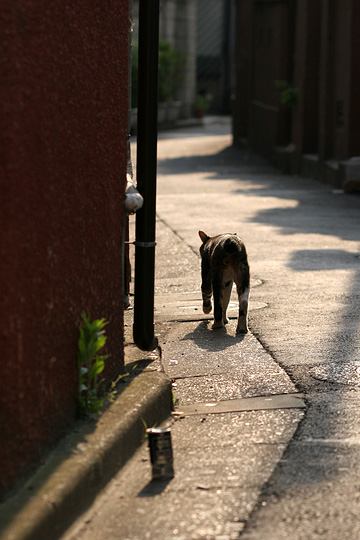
153,152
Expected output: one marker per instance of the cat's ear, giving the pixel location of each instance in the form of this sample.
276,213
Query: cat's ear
203,236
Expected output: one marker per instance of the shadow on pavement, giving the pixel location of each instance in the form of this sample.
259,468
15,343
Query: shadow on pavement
316,260
228,160
154,487
212,340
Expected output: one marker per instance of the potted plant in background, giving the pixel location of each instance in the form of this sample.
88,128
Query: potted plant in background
201,104
287,156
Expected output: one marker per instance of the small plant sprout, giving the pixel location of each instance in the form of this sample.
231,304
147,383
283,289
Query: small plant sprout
146,427
288,94
91,364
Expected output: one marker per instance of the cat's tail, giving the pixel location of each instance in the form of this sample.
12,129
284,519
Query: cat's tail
231,246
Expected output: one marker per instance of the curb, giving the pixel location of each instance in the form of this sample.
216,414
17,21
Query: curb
85,461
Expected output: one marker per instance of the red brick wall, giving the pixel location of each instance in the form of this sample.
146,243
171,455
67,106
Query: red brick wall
63,100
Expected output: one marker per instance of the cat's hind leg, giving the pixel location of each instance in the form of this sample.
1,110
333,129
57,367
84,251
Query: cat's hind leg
206,286
243,290
218,304
226,293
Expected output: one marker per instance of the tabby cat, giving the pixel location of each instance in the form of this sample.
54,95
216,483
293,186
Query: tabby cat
223,261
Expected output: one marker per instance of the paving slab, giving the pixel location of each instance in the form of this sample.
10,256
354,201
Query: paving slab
210,365
258,403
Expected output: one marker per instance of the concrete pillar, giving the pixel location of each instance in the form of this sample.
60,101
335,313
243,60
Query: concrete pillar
167,20
185,41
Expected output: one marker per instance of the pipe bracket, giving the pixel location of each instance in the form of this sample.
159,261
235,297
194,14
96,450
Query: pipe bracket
144,244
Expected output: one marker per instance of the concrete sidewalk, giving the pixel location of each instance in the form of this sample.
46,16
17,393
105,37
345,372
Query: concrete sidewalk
303,244
221,460
257,474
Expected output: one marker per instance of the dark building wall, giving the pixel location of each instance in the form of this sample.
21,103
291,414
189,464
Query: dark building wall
264,50
315,47
337,77
306,76
272,45
243,66
342,78
63,73
354,124
326,89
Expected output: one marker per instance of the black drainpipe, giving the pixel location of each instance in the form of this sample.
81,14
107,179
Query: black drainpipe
143,329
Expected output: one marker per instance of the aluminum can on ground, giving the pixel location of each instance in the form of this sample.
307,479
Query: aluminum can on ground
161,454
